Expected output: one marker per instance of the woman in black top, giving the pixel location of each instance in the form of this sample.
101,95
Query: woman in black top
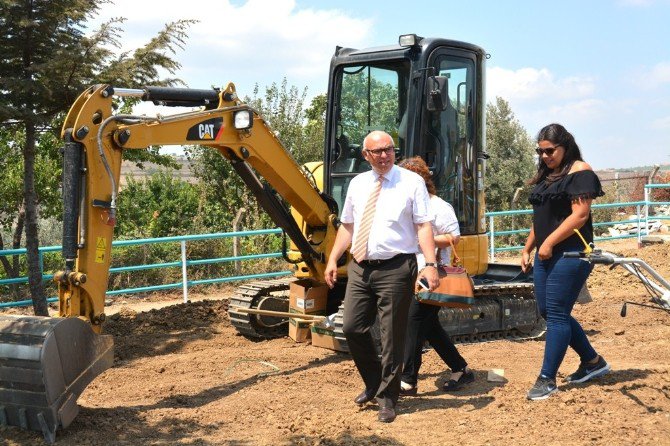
564,187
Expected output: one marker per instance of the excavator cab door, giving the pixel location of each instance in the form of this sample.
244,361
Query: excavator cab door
450,140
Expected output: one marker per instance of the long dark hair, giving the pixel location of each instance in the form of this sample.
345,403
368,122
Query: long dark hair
558,136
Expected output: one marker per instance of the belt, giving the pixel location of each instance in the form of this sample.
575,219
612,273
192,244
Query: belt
379,262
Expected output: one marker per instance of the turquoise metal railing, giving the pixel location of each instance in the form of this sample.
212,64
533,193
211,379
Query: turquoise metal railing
646,203
184,262
492,233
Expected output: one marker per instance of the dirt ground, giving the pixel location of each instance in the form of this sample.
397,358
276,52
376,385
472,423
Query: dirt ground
183,376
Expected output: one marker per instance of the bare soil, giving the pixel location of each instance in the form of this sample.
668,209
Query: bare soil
182,375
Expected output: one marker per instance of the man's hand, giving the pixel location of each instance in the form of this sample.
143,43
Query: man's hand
342,241
430,274
330,275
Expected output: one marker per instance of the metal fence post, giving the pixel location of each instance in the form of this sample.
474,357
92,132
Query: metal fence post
184,276
646,210
492,254
236,239
639,226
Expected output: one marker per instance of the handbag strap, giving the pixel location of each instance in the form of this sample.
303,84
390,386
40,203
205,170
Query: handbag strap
457,260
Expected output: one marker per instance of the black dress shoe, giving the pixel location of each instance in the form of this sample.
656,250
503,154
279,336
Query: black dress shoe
386,414
364,397
456,384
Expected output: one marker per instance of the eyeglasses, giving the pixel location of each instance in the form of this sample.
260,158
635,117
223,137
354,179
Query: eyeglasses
549,151
378,152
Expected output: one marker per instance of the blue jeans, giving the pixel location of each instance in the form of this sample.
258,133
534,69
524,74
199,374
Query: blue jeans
557,285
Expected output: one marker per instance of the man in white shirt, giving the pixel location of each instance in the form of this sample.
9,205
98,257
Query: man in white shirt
383,222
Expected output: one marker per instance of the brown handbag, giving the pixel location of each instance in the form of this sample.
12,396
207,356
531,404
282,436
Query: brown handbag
455,289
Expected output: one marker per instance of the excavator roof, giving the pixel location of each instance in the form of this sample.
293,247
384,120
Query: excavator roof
426,44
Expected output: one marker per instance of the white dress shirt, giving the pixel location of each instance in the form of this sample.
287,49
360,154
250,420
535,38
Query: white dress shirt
403,202
445,223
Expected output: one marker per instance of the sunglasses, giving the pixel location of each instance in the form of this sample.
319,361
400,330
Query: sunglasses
549,151
378,152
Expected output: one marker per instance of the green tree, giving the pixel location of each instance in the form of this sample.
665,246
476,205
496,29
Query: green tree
511,151
12,209
509,168
11,166
379,111
282,107
46,61
163,206
315,130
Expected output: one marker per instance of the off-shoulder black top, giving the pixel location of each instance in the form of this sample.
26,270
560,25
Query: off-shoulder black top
552,203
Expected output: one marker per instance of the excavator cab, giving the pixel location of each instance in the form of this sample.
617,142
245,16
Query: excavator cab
428,94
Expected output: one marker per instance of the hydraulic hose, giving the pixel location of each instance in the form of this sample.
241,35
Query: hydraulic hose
126,119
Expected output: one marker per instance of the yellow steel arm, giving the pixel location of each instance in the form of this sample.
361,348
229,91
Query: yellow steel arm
101,136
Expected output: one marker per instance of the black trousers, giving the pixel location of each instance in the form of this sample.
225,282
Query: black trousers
383,291
424,325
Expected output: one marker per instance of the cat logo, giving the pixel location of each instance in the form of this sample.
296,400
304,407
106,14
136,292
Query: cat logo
206,130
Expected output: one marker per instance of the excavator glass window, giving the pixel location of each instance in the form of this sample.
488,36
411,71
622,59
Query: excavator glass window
370,97
449,144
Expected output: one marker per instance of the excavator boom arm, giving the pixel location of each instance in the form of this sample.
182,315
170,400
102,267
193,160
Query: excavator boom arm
95,139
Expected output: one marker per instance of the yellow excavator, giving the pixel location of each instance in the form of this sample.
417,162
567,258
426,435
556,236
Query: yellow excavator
428,93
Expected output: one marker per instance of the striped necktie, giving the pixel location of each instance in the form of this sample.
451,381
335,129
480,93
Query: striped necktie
360,250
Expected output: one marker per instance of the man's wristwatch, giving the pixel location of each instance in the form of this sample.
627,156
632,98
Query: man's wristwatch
433,264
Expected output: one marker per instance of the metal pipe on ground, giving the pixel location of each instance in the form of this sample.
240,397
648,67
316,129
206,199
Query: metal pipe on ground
309,317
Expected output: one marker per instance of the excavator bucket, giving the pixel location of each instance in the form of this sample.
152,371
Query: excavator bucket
45,364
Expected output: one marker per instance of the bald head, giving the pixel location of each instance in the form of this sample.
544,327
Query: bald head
378,150
377,138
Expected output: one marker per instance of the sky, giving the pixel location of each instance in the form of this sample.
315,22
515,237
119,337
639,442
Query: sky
599,67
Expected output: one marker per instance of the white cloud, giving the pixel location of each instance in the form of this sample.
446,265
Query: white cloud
532,84
649,78
538,97
660,74
259,40
661,123
636,3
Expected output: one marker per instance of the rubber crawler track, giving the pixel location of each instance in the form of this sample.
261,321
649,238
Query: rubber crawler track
269,295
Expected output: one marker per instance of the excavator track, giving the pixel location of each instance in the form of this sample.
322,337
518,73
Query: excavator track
262,295
503,311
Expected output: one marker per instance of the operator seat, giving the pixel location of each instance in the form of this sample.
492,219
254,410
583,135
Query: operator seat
346,160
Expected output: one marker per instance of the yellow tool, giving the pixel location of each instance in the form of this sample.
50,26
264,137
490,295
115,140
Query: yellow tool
588,247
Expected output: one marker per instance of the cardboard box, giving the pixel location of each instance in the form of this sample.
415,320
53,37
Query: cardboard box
298,330
308,297
325,338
